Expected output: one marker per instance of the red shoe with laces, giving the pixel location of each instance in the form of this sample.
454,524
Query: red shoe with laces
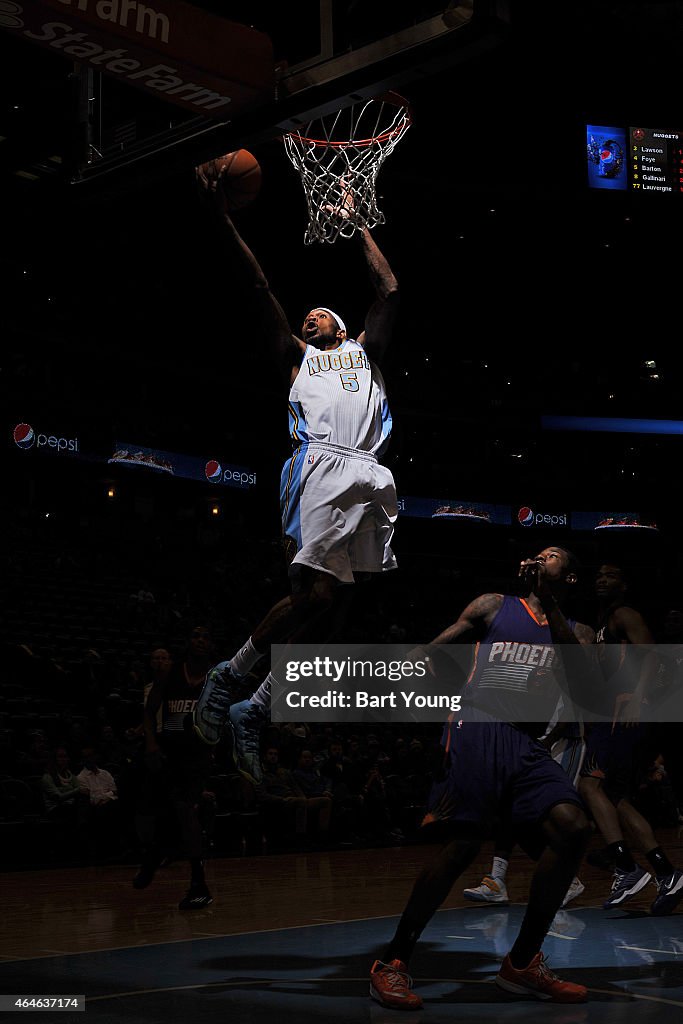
390,985
539,981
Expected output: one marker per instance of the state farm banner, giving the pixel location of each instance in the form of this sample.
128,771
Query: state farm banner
177,52
190,467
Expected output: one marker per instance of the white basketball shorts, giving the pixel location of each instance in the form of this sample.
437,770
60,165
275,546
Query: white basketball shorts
338,508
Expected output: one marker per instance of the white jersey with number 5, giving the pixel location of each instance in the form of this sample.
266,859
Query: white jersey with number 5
339,398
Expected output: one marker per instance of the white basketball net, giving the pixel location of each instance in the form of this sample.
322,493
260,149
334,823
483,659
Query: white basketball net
339,156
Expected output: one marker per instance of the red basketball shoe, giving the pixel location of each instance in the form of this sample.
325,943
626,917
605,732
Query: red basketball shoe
539,981
390,985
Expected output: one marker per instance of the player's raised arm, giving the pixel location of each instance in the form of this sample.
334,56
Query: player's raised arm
239,258
482,610
381,317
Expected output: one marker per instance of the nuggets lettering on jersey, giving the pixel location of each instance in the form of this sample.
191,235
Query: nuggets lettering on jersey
337,360
339,398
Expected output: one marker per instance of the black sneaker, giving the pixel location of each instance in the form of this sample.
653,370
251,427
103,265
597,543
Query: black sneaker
196,898
669,894
627,884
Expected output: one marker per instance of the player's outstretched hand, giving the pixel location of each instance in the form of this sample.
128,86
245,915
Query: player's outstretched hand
420,655
208,177
345,206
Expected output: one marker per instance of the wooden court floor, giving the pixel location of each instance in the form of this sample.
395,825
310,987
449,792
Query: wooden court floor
55,917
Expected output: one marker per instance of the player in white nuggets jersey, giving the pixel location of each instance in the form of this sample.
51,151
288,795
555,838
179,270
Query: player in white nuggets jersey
338,502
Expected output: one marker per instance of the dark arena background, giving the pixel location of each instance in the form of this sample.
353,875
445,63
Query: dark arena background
535,385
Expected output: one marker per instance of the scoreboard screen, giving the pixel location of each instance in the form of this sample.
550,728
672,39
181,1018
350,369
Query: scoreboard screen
634,159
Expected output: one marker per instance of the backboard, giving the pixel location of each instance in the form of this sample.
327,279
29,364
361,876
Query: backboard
78,119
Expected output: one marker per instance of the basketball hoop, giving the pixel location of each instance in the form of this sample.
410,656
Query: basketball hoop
339,156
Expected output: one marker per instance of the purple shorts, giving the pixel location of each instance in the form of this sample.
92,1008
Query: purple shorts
497,773
614,754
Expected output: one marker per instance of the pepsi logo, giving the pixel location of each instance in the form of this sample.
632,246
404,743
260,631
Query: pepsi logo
527,517
213,471
24,437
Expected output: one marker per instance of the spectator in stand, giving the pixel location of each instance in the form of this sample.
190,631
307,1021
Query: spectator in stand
98,783
344,774
73,732
111,748
93,677
347,779
378,820
407,783
282,798
142,608
104,811
63,796
372,752
374,764
35,759
317,790
418,759
353,754
399,763
294,736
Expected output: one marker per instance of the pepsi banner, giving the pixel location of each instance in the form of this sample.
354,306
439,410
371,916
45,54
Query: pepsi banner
190,467
612,521
455,510
541,515
558,519
528,515
49,439
40,438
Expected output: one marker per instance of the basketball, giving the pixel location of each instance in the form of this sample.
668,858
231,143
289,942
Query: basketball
239,174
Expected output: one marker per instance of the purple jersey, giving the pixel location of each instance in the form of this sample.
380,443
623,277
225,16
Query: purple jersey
495,769
512,675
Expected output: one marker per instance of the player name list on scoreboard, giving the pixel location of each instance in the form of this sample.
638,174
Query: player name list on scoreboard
656,160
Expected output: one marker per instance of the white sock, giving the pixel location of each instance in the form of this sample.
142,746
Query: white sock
262,695
499,869
244,660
